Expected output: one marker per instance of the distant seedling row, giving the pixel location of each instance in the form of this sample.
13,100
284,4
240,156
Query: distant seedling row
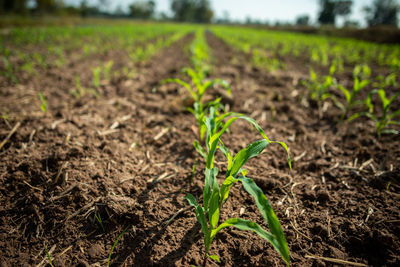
270,50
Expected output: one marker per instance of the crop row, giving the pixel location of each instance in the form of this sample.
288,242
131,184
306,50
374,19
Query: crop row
25,52
213,122
311,48
365,95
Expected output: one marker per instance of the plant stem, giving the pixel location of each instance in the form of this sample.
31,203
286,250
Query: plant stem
205,261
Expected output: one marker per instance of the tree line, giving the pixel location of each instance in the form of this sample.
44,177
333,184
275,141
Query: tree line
380,12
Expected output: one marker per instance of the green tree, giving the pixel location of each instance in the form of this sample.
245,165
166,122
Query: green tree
303,20
142,9
13,6
46,6
192,10
332,8
382,12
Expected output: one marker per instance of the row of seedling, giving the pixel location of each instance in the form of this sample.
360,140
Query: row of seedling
213,123
28,51
319,50
103,74
352,106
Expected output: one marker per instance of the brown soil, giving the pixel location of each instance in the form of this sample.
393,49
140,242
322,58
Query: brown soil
127,156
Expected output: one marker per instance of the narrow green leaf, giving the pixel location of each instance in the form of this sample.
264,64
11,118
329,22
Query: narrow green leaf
390,131
393,98
394,114
43,105
199,148
182,83
209,183
345,92
382,95
201,218
225,187
226,153
363,84
215,258
213,211
245,154
268,214
115,244
246,225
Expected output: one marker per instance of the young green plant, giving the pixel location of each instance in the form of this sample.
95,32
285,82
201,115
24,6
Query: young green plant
80,91
9,72
361,80
96,76
43,104
197,89
318,86
386,118
214,195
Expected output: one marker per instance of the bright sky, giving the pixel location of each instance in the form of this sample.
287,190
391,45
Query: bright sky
264,10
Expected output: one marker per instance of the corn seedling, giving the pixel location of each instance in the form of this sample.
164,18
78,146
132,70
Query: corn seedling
96,77
28,68
99,220
262,60
59,53
81,91
40,60
386,118
9,71
43,104
200,54
382,82
107,70
361,75
114,245
362,71
48,256
214,195
197,92
319,86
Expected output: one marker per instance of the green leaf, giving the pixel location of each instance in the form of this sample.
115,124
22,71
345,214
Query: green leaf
368,101
213,212
195,76
184,84
382,95
199,148
313,75
363,84
191,110
209,184
245,154
213,141
246,225
345,92
215,258
224,84
394,114
390,131
115,244
43,105
332,68
394,122
268,214
393,98
225,187
201,218
226,153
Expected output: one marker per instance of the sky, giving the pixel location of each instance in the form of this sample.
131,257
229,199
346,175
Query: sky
264,10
